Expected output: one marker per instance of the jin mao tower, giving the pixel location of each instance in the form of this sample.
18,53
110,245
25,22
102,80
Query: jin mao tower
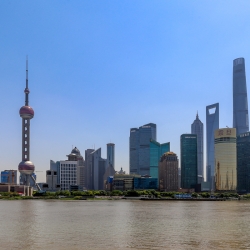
197,128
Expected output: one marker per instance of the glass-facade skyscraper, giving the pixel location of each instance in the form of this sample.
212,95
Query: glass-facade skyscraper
243,163
111,155
139,148
189,164
197,128
240,102
212,123
156,151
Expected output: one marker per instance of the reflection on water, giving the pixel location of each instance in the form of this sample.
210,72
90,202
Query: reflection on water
37,224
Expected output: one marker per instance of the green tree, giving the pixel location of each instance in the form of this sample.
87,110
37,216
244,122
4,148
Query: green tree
116,193
194,195
133,193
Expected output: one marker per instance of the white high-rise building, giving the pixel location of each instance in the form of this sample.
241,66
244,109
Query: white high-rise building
72,171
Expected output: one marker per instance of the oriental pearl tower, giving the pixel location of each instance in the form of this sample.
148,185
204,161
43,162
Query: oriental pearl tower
26,167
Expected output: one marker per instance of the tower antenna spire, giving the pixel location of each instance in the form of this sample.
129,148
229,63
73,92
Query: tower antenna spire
26,91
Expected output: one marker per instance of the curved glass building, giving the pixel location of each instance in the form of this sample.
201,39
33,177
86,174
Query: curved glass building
240,103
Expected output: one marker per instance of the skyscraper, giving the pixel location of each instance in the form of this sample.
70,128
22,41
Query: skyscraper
168,172
111,154
88,168
98,166
212,123
156,151
225,159
197,128
26,167
139,148
189,177
243,163
240,103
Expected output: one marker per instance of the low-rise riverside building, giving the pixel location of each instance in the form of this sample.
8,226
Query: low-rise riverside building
125,182
21,189
145,182
9,176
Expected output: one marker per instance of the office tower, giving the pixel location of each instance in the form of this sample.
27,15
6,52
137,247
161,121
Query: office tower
55,166
139,148
9,176
102,169
26,167
88,168
70,171
111,154
110,168
240,102
68,174
189,167
197,129
95,156
225,159
168,172
98,166
134,151
212,123
243,163
156,151
75,155
51,180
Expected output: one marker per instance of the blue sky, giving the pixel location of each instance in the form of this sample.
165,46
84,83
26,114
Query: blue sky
98,68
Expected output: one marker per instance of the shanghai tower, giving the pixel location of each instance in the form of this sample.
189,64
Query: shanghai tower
26,167
240,103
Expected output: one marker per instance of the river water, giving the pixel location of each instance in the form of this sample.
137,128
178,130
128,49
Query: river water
123,224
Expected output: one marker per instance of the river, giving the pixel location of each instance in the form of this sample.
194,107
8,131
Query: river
124,224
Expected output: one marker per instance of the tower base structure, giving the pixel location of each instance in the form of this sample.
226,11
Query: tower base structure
23,190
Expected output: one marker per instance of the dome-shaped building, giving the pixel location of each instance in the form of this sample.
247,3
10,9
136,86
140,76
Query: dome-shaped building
75,155
76,151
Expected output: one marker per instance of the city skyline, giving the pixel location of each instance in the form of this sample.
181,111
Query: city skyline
98,71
